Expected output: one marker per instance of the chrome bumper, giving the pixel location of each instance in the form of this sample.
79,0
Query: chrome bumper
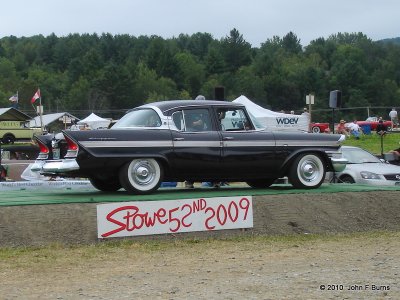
55,166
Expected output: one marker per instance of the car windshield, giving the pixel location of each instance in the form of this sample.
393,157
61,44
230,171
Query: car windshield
359,156
139,118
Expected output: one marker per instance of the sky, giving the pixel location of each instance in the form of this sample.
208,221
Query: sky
256,20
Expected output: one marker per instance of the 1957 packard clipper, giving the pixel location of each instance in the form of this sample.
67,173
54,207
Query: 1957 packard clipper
195,140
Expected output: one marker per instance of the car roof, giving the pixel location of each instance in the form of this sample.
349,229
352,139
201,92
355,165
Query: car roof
165,106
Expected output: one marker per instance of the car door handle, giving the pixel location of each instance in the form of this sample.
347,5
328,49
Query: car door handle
228,138
179,139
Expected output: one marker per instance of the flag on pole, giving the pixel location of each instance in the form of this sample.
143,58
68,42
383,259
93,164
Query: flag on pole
14,98
36,96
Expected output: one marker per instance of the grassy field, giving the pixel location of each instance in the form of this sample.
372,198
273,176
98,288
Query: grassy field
11,257
372,142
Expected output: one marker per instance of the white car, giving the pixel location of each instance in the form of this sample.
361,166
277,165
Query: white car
365,168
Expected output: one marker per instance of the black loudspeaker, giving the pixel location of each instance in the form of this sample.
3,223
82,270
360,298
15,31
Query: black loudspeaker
219,93
335,99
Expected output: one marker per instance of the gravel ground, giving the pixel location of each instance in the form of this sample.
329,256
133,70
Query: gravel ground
356,266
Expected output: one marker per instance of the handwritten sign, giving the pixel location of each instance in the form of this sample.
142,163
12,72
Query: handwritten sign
158,217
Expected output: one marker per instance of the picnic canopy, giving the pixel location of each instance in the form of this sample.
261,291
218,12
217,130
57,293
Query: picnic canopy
95,122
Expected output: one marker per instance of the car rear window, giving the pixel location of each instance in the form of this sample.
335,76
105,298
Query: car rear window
139,118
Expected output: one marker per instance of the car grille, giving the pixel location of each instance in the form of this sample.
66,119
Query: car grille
395,177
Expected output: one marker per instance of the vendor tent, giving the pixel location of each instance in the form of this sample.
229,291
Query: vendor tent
273,121
54,122
95,122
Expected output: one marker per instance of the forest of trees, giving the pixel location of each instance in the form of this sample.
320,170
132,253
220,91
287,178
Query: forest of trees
109,74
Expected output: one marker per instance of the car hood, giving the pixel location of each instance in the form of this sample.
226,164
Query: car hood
378,168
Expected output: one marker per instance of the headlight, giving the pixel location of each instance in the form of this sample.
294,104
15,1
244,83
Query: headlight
370,175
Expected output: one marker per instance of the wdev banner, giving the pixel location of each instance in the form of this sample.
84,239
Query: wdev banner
284,121
172,216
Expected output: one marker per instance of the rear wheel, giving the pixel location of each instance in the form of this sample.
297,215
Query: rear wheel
346,179
260,183
106,185
307,172
141,176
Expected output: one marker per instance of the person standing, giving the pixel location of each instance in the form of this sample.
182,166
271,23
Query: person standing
307,114
394,118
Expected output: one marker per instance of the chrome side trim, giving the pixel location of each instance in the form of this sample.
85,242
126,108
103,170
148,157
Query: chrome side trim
199,144
126,144
311,143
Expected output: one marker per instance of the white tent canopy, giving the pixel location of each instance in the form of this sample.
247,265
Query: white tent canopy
95,122
273,121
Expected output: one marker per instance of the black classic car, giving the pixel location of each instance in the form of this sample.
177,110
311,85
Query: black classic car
194,140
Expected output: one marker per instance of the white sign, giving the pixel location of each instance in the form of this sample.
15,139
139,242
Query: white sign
308,98
43,184
65,119
39,109
158,217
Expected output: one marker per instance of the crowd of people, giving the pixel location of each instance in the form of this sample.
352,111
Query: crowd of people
355,130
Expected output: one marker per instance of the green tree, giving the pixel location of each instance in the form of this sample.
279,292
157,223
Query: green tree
236,51
190,74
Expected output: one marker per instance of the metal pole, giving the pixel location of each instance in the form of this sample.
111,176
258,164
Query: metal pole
41,113
309,108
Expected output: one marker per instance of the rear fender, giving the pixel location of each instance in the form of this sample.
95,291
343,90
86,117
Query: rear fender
115,157
321,153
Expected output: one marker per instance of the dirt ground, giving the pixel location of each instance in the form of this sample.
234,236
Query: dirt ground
360,266
330,246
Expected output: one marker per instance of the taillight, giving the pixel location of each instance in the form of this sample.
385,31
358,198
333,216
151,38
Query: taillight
72,148
71,144
43,148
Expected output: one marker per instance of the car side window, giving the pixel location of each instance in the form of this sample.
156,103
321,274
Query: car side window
233,119
192,120
177,118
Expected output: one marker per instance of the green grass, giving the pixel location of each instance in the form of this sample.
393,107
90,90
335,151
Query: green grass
372,142
46,256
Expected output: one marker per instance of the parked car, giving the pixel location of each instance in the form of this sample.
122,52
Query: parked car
194,140
373,122
319,127
365,168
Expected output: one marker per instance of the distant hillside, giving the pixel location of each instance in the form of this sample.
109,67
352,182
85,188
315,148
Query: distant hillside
392,40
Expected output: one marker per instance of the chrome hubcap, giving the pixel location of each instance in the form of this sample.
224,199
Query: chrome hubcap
309,171
143,173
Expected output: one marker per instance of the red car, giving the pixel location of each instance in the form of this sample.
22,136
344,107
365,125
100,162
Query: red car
319,127
373,122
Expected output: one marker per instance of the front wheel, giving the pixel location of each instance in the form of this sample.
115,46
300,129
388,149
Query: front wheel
141,176
307,172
